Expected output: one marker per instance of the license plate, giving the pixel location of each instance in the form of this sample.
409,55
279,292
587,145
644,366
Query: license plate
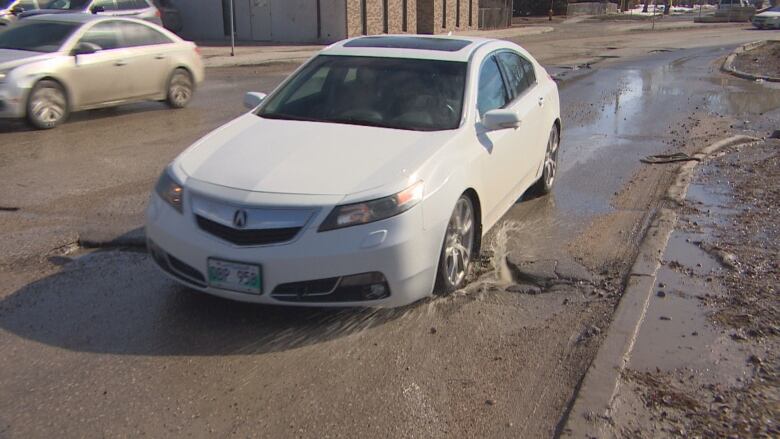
235,276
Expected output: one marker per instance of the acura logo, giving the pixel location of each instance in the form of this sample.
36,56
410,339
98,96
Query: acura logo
239,219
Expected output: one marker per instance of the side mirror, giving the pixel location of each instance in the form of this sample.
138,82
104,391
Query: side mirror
500,119
97,9
85,48
253,99
16,10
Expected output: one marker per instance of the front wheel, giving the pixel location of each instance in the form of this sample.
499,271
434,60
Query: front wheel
550,167
180,89
458,247
47,105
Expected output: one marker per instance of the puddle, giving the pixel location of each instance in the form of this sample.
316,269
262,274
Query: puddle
676,333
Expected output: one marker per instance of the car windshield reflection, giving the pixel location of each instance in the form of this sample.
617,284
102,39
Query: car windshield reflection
409,94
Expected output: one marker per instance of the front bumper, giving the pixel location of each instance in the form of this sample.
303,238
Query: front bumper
12,102
397,247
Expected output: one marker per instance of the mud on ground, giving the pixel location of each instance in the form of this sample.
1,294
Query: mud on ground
735,222
764,60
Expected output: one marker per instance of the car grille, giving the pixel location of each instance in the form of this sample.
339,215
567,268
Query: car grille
247,236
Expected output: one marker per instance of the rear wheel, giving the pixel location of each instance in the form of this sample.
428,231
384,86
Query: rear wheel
180,88
47,105
458,247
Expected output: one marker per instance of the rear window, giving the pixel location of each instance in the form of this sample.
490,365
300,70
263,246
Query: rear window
37,36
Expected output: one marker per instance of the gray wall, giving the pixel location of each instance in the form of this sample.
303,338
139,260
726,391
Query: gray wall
291,21
334,20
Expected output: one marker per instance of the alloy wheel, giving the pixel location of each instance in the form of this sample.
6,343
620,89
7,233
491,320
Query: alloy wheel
551,159
180,89
48,105
459,243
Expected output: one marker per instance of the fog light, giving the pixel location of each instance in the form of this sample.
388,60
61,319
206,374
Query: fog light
375,291
368,286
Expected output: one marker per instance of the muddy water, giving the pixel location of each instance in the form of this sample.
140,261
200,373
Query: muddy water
620,112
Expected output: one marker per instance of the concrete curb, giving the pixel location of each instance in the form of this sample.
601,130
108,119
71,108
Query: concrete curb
728,63
590,413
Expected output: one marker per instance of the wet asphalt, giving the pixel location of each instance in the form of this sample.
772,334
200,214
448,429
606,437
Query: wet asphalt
99,343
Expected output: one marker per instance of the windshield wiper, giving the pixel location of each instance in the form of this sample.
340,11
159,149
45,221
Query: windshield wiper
282,116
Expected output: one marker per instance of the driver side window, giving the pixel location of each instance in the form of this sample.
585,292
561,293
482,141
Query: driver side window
104,35
491,93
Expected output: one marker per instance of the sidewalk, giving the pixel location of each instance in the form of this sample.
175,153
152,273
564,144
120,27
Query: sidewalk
218,54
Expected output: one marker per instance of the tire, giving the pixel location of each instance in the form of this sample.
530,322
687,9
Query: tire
180,89
458,247
550,167
47,105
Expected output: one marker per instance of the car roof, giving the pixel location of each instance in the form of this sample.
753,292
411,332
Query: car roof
76,17
446,48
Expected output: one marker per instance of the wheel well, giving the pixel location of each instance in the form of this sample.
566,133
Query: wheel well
53,79
181,67
472,194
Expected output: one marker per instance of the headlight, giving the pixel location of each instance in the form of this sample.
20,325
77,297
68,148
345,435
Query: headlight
170,191
369,211
2,76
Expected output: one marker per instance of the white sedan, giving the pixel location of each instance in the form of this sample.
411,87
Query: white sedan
367,178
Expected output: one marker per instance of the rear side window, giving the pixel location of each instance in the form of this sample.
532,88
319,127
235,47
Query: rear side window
491,93
107,5
519,71
104,35
136,34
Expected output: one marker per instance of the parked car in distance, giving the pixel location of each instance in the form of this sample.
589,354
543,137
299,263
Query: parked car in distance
767,19
141,9
52,65
367,178
9,9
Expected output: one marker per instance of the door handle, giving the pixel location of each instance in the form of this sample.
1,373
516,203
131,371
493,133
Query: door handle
541,101
159,57
120,63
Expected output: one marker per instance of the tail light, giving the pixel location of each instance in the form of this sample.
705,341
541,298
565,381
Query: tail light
157,13
197,49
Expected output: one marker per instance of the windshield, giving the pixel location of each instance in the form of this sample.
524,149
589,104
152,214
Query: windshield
775,9
38,36
4,4
70,5
409,94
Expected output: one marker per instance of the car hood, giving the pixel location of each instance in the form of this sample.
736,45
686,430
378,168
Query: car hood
10,58
769,14
281,156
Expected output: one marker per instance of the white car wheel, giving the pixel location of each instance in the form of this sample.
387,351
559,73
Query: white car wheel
458,247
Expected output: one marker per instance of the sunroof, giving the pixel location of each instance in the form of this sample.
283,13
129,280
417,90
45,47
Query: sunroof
419,43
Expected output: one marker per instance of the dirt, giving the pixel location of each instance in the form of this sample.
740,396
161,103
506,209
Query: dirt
706,362
763,60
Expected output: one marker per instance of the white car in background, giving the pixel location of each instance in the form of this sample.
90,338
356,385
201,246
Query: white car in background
367,178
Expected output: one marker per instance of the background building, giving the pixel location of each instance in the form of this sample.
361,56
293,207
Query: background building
308,21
